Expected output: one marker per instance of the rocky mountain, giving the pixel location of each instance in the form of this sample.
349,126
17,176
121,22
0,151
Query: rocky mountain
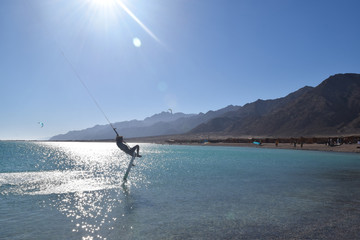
164,123
133,128
331,108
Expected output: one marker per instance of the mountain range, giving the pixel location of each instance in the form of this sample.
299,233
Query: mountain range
331,108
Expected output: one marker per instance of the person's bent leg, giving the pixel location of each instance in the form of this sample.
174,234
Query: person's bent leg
137,149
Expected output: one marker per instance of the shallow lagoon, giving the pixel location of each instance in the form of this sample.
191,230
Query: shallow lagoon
75,191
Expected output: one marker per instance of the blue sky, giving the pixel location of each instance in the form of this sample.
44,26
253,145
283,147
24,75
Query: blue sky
190,55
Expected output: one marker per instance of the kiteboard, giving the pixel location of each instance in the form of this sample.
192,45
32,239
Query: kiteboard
129,167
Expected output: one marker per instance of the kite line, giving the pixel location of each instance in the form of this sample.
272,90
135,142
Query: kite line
87,89
78,76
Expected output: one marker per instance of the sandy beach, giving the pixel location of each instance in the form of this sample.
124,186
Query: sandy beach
351,148
286,143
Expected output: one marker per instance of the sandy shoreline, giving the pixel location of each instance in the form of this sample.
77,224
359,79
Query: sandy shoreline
349,148
348,144
287,144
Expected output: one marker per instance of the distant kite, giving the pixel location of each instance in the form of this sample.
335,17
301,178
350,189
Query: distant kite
170,110
41,124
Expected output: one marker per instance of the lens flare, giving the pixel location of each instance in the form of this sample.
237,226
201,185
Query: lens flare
141,24
136,42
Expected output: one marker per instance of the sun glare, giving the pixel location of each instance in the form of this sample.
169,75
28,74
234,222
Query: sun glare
103,3
110,5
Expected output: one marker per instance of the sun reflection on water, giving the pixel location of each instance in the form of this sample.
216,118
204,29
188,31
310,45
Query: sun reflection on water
76,192
91,212
84,182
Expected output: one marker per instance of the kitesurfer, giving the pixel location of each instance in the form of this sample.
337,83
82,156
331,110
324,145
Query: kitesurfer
126,148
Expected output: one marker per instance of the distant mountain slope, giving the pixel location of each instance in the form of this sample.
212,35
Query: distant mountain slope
127,128
333,107
164,123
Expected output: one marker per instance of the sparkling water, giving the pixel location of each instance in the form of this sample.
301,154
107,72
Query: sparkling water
74,190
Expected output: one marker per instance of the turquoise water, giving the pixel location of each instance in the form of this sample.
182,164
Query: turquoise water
75,191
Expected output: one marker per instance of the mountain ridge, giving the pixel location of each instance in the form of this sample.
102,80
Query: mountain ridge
163,123
332,107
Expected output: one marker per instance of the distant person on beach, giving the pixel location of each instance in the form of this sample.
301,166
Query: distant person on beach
126,148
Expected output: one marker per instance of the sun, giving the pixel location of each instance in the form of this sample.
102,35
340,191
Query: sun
109,6
103,3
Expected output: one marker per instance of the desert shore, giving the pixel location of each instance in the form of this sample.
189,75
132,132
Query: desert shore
350,148
311,144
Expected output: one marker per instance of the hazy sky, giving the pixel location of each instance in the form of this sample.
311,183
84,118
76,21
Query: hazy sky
141,57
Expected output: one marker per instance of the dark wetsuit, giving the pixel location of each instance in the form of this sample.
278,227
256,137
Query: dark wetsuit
126,148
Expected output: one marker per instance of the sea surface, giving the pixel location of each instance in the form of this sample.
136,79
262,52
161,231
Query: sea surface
62,190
